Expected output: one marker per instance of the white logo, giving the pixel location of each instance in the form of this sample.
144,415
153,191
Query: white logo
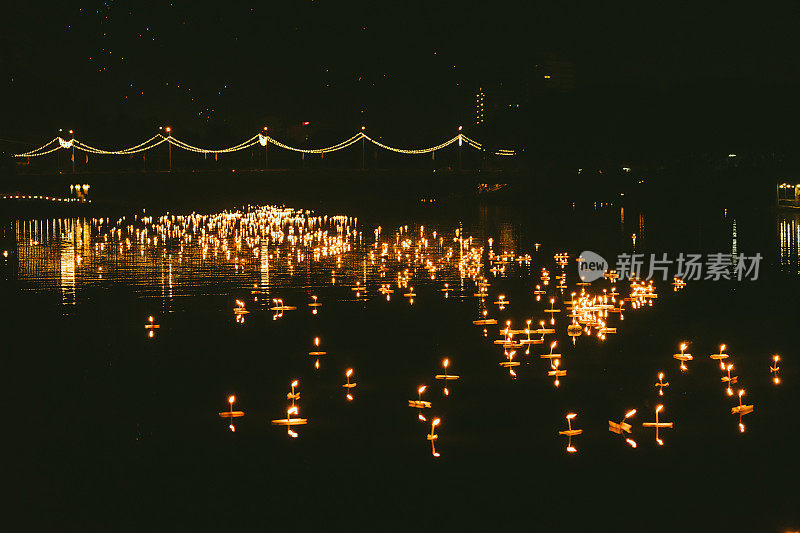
591,266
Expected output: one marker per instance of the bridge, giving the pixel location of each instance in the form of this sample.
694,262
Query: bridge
263,139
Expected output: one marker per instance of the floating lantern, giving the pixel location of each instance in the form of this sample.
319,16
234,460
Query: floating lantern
574,330
660,384
432,436
741,410
543,330
774,369
239,311
720,356
349,386
150,326
484,321
446,377
501,302
730,380
556,372
623,427
316,354
552,311
658,425
291,420
292,395
279,308
539,292
551,355
419,404
231,414
683,357
570,432
678,284
315,305
446,290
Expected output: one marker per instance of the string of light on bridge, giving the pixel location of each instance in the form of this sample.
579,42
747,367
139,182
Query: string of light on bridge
59,143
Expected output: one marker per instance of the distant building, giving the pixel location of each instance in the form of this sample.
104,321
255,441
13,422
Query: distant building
479,106
496,104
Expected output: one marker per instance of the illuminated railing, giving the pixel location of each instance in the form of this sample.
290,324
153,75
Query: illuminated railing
58,143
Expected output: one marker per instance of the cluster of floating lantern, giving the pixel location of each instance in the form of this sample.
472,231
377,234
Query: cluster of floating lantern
299,236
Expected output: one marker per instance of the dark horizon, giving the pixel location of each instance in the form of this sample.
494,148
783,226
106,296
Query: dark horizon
636,83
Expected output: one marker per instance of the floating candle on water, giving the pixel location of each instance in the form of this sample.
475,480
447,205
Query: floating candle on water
432,436
551,355
543,330
150,326
502,302
661,384
774,369
730,380
231,414
683,357
290,420
741,410
623,427
316,354
484,321
658,425
446,377
446,290
419,404
569,432
556,372
279,306
315,305
349,386
720,356
574,330
552,311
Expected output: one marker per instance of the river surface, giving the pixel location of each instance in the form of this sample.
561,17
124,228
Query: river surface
116,420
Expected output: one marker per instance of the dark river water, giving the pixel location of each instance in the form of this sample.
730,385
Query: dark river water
117,424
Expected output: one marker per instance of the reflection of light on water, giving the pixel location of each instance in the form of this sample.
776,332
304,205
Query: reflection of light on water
734,247
68,258
789,242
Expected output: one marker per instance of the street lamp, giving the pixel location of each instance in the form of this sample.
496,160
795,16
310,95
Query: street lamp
460,141
73,150
169,146
362,146
266,144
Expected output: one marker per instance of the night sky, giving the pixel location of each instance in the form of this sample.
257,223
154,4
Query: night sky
626,78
